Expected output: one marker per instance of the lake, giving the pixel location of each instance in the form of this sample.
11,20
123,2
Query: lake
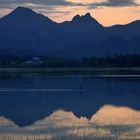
26,98
75,107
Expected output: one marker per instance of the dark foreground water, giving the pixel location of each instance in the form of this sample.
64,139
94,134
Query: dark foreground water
28,98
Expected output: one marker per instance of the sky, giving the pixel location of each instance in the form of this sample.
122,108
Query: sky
107,12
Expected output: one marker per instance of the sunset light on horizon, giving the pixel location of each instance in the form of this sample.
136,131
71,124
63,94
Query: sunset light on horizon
107,12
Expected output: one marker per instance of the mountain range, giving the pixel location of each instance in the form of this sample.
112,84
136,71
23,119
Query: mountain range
25,32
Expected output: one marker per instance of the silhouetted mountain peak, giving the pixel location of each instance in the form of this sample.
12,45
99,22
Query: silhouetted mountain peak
22,12
86,19
75,18
23,9
88,16
25,32
22,15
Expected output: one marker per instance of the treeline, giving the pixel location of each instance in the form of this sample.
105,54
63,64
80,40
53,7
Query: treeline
41,61
113,61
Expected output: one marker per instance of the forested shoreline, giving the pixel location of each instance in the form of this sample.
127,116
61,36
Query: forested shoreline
121,61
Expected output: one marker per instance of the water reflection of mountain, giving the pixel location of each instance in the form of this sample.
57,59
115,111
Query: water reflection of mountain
109,122
27,106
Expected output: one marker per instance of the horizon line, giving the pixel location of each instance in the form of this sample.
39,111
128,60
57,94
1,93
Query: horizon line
117,24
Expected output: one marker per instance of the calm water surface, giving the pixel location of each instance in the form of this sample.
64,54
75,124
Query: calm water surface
30,97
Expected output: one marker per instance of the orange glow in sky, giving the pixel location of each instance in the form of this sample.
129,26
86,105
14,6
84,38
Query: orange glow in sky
107,12
107,15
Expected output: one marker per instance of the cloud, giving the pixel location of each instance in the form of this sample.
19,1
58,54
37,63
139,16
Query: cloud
60,8
42,6
94,3
114,3
9,3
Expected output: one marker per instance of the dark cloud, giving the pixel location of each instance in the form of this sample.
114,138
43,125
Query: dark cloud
39,2
54,6
107,3
114,3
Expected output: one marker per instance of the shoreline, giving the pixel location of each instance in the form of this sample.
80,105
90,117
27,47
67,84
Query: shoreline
78,71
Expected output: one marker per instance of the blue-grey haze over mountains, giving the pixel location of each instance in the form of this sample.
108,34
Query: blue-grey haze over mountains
24,32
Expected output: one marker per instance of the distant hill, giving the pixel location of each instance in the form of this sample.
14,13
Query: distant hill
25,32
